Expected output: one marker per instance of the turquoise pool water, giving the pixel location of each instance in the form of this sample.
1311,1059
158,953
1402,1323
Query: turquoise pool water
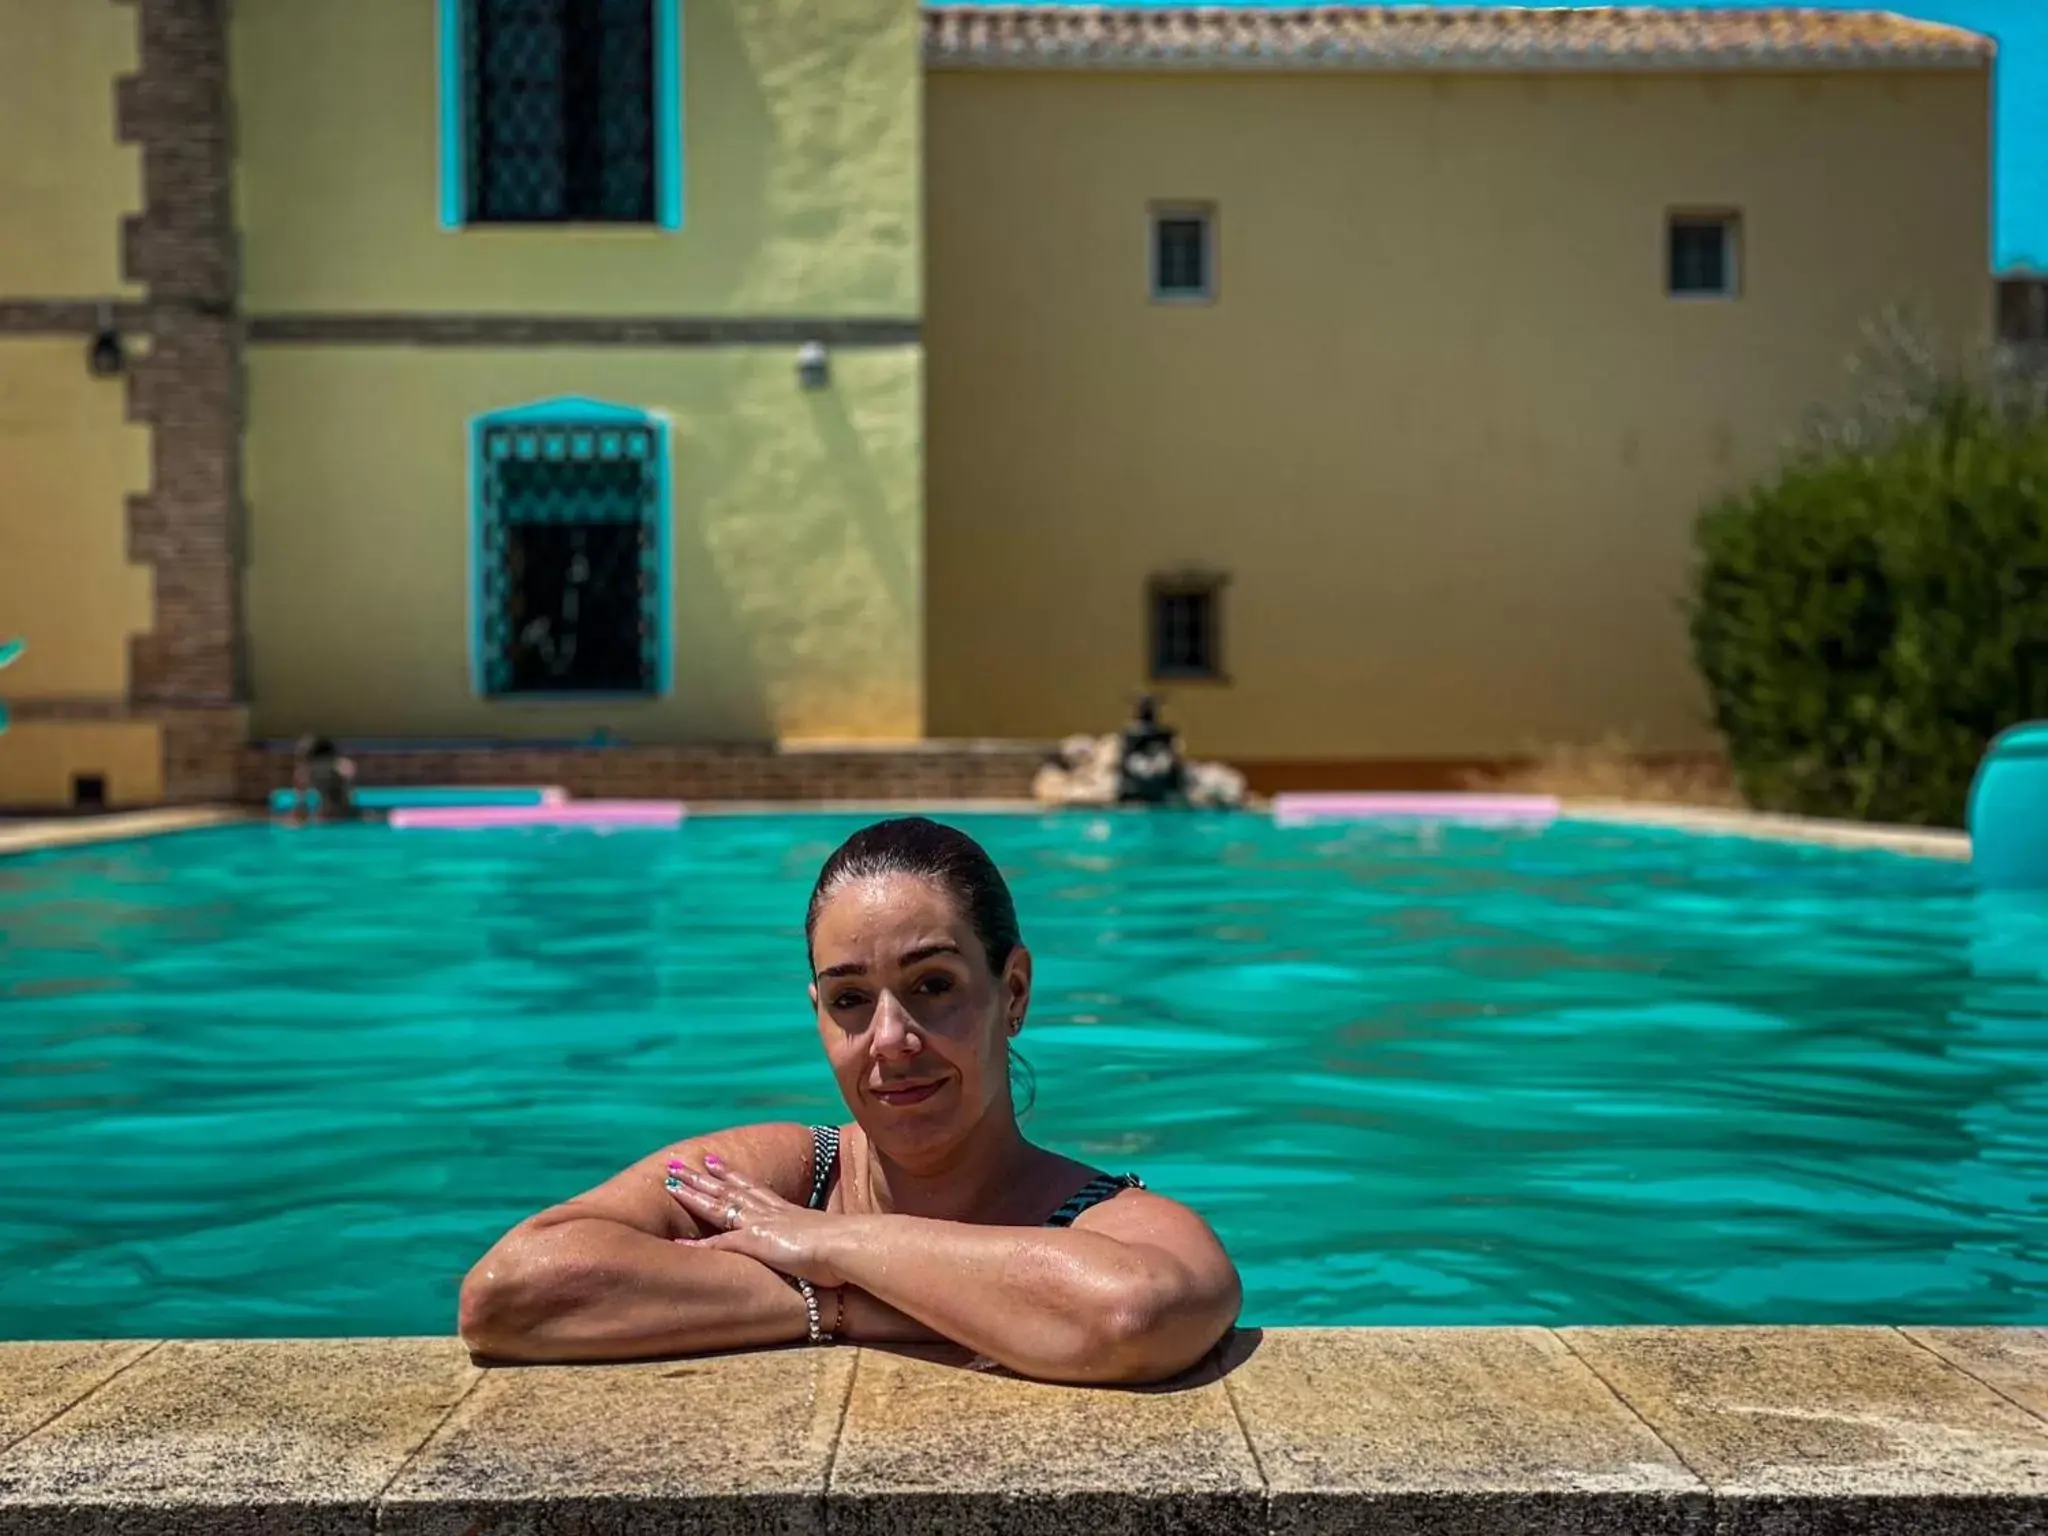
264,1082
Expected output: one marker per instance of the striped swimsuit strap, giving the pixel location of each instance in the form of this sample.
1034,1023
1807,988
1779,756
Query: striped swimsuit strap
825,1157
1103,1187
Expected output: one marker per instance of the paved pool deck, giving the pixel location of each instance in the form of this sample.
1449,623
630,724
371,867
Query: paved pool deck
1479,1432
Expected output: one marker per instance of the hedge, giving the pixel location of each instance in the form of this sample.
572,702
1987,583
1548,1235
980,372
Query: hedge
1870,617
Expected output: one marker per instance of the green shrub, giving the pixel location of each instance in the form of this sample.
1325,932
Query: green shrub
1870,618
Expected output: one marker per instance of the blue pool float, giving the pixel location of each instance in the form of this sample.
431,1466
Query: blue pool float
2008,815
10,651
430,795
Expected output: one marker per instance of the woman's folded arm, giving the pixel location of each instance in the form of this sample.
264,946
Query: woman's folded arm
590,1288
1139,1294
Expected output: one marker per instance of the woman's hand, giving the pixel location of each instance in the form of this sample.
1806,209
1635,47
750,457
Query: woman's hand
756,1222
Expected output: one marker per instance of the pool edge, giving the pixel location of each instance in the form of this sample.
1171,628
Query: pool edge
1474,1429
1920,842
41,834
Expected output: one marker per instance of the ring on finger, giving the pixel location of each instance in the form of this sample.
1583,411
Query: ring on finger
732,1214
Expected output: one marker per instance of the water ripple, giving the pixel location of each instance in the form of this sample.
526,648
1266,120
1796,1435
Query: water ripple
265,1083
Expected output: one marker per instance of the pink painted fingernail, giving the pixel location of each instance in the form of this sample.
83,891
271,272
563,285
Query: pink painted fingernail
711,1160
676,1162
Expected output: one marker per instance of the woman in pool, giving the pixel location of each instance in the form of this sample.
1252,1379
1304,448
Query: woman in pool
928,1219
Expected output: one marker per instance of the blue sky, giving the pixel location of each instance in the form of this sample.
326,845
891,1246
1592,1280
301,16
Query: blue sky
2020,238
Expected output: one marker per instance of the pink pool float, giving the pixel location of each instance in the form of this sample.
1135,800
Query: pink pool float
1301,810
602,815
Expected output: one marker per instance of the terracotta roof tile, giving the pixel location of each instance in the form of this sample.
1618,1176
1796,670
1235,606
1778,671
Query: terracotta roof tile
1431,37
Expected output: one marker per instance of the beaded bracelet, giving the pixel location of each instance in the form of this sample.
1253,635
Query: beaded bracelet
809,1293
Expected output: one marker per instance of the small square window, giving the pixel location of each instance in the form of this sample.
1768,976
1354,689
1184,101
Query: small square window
2022,310
1704,254
1183,254
1186,620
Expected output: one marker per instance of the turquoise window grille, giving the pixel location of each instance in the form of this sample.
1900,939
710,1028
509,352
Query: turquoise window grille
561,112
571,551
10,651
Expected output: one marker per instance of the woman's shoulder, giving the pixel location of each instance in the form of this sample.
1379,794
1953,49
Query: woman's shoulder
1126,1211
1119,1201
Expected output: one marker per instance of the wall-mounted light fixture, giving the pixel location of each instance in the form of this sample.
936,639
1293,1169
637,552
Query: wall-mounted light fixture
813,365
106,357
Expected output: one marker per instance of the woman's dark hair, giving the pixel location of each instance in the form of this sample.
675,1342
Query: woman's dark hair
946,856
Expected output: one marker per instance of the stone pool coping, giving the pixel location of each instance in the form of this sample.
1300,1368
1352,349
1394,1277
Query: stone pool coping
33,835
1922,842
1479,1431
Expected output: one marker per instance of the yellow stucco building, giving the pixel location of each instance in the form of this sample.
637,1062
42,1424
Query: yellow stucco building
697,374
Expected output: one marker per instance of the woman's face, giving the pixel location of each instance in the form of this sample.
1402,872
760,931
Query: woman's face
915,1024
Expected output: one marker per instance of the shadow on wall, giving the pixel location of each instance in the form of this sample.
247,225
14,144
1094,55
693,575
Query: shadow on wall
736,176
847,450
787,551
732,692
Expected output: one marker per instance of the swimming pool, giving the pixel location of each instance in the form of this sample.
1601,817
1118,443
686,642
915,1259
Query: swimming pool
270,1082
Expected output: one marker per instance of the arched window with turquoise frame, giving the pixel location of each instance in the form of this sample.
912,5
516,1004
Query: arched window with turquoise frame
561,112
570,509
